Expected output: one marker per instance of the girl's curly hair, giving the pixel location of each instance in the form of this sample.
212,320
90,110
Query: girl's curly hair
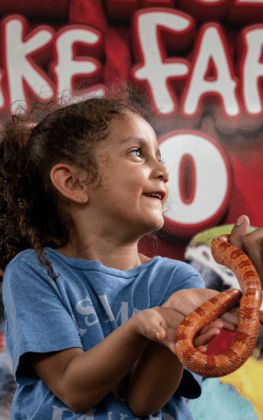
30,213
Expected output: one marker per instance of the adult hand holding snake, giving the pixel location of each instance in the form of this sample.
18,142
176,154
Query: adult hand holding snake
251,243
225,252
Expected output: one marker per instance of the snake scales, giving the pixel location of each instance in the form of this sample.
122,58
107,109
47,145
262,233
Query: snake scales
248,322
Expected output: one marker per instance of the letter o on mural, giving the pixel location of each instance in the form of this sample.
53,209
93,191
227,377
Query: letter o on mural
200,182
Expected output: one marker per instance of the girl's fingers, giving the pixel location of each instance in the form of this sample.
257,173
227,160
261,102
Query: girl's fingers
230,321
168,335
206,337
160,334
202,349
229,324
214,324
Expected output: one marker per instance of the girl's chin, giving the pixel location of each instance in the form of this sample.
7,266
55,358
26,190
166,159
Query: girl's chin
156,225
149,225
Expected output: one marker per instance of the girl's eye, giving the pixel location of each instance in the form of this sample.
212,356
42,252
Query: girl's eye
136,152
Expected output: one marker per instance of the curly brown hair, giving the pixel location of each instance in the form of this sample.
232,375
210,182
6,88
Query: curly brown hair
30,213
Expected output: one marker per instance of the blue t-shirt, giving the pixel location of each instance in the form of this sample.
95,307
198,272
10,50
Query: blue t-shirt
79,309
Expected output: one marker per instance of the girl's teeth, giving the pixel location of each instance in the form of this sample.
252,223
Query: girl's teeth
155,195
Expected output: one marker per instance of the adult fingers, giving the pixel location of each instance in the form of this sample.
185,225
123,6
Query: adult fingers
251,243
253,247
239,231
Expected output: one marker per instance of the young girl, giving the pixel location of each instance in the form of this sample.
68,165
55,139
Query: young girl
90,321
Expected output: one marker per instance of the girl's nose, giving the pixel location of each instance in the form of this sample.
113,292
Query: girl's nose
166,174
162,172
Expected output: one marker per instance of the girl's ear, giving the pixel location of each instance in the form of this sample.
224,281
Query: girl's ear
68,180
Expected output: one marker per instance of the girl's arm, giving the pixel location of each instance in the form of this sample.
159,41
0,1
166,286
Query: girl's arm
155,378
82,379
158,372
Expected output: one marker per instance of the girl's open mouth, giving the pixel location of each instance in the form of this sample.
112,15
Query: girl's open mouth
158,194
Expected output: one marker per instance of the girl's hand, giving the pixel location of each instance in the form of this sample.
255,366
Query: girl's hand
228,321
186,301
160,324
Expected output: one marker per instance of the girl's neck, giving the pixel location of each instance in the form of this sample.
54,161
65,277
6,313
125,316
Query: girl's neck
120,256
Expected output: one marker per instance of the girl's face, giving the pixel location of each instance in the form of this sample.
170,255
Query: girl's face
133,188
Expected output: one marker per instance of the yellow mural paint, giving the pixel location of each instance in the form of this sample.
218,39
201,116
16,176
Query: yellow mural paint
247,380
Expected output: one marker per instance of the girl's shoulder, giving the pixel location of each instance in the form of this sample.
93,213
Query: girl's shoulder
27,256
171,269
26,264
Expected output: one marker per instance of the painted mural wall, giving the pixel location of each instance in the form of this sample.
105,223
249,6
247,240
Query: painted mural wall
199,61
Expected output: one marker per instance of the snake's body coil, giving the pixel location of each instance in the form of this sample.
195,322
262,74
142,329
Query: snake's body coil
248,323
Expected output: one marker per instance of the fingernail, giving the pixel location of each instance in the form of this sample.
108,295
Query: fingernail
240,220
160,336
